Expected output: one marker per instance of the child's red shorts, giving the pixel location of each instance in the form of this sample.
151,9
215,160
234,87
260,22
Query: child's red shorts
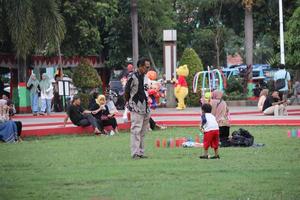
211,139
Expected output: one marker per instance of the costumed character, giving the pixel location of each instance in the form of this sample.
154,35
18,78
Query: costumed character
153,91
181,87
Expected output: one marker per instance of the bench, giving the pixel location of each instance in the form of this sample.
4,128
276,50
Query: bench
59,129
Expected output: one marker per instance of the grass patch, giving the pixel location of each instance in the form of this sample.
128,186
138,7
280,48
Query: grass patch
92,167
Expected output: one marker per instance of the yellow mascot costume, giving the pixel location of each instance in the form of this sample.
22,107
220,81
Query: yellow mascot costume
181,87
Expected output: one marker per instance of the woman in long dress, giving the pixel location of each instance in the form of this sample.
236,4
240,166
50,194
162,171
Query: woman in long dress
46,94
33,87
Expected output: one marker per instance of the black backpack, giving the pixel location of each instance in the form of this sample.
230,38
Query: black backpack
241,138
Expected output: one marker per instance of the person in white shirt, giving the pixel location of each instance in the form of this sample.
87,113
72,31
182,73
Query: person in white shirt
283,74
210,128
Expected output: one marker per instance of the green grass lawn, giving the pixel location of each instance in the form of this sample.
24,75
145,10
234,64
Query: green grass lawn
93,167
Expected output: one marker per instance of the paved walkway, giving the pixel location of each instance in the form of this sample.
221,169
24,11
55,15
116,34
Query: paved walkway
169,116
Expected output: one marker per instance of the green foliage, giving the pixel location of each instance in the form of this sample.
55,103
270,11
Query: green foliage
234,90
154,17
85,77
234,85
194,63
293,40
87,22
34,25
92,167
85,99
118,41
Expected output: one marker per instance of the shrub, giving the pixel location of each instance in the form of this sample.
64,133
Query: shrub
194,63
85,78
234,90
85,99
234,85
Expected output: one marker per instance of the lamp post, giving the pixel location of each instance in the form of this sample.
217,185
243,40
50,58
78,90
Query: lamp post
282,58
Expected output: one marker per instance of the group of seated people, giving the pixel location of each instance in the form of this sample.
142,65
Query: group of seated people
98,115
10,131
272,104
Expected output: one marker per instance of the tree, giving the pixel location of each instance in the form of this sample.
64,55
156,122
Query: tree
154,17
293,40
194,63
201,25
32,26
88,23
248,4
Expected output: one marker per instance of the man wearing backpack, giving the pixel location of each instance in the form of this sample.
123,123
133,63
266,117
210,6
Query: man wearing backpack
282,81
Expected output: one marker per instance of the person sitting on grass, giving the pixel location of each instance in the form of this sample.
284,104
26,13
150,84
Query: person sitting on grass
210,128
262,98
81,117
100,111
11,107
273,105
10,131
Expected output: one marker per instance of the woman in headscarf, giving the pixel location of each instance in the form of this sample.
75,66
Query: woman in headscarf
33,87
262,97
102,113
10,131
220,111
46,94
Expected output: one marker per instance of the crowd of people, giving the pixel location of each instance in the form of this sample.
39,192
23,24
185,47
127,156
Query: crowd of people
284,93
101,111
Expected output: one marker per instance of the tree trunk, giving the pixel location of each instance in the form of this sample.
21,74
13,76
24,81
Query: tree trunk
152,60
217,39
60,61
248,86
22,69
249,38
135,37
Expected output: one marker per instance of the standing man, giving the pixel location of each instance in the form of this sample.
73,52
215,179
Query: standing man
136,98
283,75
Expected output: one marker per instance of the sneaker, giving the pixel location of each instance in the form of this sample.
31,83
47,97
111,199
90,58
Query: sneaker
142,156
215,157
112,133
163,127
203,157
136,157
